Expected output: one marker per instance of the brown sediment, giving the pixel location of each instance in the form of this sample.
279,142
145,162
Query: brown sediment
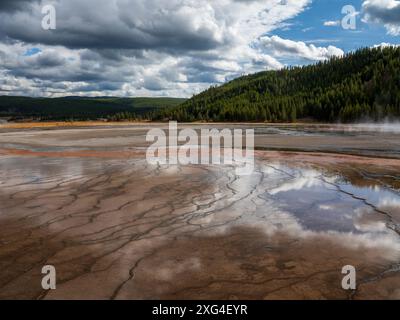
132,232
62,124
288,156
72,124
325,158
73,154
118,229
245,263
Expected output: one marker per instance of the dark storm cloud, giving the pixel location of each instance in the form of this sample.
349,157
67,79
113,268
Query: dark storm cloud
14,5
102,86
49,60
113,25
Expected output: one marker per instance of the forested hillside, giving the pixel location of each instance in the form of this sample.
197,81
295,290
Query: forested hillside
82,108
361,85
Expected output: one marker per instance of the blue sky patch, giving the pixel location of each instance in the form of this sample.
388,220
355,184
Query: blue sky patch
31,52
309,27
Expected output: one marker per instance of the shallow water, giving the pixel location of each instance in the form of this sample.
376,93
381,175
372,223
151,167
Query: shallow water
367,139
117,228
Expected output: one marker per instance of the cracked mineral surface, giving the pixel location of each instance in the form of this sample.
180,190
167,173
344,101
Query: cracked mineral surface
86,201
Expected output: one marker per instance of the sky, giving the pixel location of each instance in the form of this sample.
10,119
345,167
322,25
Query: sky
175,48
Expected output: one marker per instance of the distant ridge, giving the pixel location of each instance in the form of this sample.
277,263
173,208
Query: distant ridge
82,108
361,85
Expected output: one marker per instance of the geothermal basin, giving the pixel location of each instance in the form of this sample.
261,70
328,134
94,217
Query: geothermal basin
85,200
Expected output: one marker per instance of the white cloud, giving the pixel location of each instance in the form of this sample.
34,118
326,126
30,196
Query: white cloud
138,47
386,12
385,45
284,47
331,23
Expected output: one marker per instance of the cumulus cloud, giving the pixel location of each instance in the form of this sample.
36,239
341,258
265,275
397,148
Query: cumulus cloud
143,47
386,12
151,24
385,45
283,47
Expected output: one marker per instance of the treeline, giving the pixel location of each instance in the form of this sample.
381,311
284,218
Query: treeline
82,108
363,84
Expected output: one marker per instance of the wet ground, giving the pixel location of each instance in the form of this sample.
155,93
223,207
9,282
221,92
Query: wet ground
86,201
